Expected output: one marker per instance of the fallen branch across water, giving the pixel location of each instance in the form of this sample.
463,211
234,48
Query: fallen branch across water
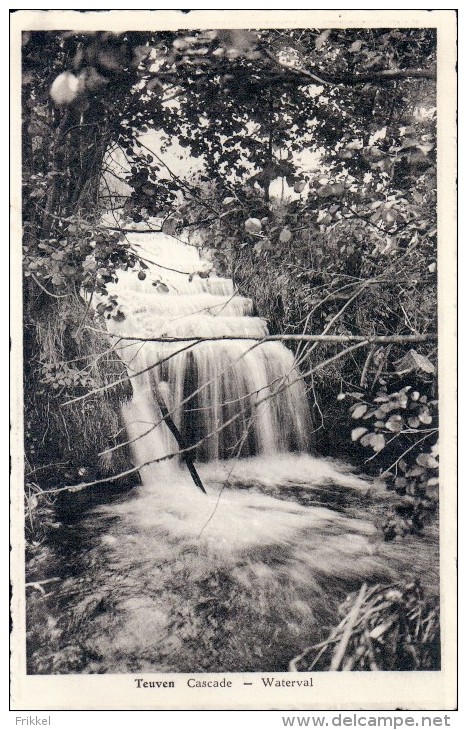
381,339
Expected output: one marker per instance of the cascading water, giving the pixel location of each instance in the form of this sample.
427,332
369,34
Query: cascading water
242,578
227,398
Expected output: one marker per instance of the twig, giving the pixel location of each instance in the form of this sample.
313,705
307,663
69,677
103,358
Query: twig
37,584
51,294
227,480
387,471
353,615
178,179
324,79
366,366
128,472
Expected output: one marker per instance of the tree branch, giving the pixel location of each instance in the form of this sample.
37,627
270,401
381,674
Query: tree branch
324,79
51,294
381,339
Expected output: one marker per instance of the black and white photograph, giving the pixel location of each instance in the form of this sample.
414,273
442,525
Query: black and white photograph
235,257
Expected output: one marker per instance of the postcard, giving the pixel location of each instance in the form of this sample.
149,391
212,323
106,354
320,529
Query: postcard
234,341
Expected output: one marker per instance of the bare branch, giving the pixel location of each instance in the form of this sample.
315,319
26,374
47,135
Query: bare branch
51,294
324,79
381,339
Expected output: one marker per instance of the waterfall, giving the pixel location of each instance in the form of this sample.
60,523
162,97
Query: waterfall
227,398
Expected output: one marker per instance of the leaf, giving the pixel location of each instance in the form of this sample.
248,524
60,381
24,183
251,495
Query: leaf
37,193
415,361
258,247
409,142
357,432
403,400
359,410
322,38
425,417
240,41
375,440
65,88
381,629
416,471
162,288
385,408
400,482
338,189
355,47
356,144
285,235
324,191
378,443
425,148
422,362
394,424
299,186
428,461
252,225
228,200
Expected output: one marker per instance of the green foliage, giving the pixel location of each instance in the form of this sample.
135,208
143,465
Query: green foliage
401,429
215,79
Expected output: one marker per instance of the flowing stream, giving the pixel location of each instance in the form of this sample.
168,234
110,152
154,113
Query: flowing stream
242,578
